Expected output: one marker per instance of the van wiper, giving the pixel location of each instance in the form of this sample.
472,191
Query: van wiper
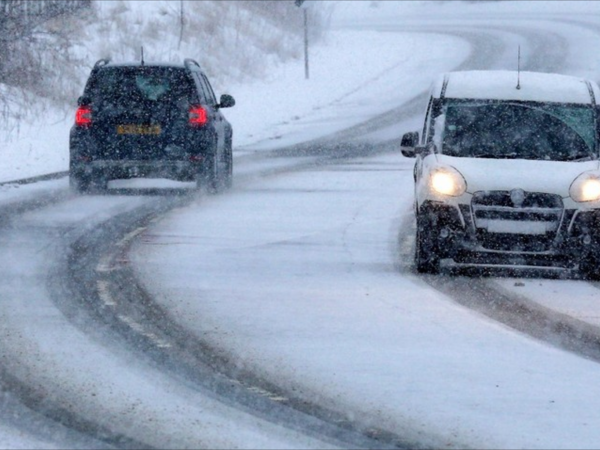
497,155
583,158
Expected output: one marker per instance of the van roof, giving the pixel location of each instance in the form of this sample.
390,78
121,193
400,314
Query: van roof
502,85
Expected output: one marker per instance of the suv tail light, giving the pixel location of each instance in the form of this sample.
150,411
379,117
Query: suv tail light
198,116
83,116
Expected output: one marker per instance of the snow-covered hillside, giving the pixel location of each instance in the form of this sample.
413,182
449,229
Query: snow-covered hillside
232,40
249,54
258,61
235,42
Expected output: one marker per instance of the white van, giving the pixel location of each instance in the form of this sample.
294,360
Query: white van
507,172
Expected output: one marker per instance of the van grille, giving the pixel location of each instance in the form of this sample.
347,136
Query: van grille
516,221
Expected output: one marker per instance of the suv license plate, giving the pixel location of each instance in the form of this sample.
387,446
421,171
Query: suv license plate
139,129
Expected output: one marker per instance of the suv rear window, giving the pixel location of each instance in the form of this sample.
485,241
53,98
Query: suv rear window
141,84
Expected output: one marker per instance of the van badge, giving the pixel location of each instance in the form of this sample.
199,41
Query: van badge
518,197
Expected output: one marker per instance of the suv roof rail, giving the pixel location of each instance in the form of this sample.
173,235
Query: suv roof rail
101,62
187,62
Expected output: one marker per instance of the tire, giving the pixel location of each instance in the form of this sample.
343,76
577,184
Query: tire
92,184
98,183
224,175
228,175
589,267
79,185
427,259
207,180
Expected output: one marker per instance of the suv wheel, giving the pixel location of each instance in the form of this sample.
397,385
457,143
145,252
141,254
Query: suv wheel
79,184
98,182
228,172
207,179
426,256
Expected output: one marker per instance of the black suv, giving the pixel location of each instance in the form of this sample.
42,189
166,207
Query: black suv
151,121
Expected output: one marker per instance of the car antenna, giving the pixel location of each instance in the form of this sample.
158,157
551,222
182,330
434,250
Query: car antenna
142,55
519,69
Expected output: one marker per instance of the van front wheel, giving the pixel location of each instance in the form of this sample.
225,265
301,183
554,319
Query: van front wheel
427,259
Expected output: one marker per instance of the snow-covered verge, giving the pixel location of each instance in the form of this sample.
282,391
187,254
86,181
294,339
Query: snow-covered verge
349,69
276,106
73,364
354,76
233,41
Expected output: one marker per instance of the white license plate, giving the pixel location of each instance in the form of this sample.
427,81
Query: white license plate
517,227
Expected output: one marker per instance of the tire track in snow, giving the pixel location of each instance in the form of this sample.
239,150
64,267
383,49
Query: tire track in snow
159,335
101,282
486,46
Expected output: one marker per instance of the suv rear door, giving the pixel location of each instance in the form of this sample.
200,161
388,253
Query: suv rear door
140,113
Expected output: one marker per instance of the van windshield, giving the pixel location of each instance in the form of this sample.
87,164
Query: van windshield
553,132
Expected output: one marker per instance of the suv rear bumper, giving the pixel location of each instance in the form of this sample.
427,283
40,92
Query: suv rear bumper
181,157
111,169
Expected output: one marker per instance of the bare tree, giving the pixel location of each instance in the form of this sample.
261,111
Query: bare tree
21,28
29,46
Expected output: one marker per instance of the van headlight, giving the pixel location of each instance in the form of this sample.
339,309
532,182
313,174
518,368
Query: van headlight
447,181
586,187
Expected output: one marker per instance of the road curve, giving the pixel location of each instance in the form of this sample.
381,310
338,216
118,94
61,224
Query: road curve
92,288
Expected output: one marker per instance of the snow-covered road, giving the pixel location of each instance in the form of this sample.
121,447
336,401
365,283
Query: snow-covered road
298,283
299,279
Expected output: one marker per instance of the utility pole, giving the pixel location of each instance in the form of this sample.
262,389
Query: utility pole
306,73
300,4
181,23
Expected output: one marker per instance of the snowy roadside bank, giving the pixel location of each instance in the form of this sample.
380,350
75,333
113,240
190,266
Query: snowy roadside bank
355,75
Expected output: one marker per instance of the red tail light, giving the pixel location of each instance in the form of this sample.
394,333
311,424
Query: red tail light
198,116
83,116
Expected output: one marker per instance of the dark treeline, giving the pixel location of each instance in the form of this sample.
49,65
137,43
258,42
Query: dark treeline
22,36
44,44
21,15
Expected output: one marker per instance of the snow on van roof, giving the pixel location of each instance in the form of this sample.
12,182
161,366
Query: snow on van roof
502,85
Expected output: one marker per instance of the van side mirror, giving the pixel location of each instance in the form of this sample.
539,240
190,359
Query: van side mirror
409,143
227,101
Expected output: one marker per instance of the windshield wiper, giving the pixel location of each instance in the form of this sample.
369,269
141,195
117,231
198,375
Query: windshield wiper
583,158
497,155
